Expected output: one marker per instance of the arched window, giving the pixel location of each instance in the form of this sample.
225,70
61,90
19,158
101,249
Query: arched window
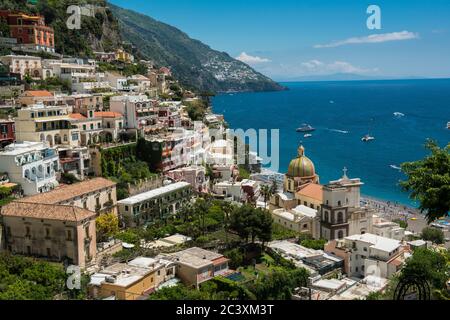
339,203
340,234
340,217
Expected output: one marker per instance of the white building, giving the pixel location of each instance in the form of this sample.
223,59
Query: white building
33,165
137,110
154,205
194,175
387,229
368,254
24,65
301,219
242,191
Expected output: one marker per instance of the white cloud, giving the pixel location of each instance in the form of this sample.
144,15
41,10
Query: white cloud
374,38
316,67
246,58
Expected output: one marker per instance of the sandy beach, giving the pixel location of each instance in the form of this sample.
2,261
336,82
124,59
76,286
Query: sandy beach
393,211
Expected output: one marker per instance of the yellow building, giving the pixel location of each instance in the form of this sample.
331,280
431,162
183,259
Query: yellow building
134,280
50,231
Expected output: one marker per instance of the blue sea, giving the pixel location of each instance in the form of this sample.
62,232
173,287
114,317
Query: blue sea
342,113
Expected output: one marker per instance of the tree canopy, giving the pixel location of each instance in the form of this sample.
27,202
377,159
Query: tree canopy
434,235
254,223
429,181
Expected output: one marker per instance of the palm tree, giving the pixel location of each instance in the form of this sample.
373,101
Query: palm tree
266,192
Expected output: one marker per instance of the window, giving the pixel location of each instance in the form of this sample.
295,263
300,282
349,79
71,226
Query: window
365,249
49,252
69,235
27,231
339,203
47,232
126,208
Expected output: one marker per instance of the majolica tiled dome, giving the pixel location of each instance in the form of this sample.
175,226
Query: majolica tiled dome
302,166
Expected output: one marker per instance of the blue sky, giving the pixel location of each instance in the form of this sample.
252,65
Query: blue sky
287,39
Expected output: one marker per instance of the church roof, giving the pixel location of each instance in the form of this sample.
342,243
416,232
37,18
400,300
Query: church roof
302,166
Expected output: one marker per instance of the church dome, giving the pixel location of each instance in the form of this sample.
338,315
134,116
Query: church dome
302,166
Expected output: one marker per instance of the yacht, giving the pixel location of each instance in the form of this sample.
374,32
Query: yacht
306,128
367,138
308,135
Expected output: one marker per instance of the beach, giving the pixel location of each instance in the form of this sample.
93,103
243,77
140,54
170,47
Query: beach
395,211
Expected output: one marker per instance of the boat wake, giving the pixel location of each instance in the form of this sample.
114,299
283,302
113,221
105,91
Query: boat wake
338,131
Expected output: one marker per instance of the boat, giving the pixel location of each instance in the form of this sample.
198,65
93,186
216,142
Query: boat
367,138
308,135
448,125
399,114
306,128
393,166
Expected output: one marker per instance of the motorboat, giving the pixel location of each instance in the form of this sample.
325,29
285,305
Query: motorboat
367,138
306,128
308,135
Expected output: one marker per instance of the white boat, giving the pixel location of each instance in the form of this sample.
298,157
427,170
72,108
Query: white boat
448,125
308,135
399,114
367,138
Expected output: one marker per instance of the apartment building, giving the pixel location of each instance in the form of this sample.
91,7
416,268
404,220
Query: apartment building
33,165
51,124
97,195
55,232
7,132
196,265
138,110
154,205
194,175
24,65
369,254
134,280
30,31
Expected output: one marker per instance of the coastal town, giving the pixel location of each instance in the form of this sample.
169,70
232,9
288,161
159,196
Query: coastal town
109,166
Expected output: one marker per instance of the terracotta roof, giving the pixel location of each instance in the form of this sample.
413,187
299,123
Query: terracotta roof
108,114
77,116
312,190
67,192
38,93
45,211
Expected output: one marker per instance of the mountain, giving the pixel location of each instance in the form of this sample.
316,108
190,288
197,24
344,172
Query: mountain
192,62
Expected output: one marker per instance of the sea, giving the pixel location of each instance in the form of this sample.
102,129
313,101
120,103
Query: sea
342,113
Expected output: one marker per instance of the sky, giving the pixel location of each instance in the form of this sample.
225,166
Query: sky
293,39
